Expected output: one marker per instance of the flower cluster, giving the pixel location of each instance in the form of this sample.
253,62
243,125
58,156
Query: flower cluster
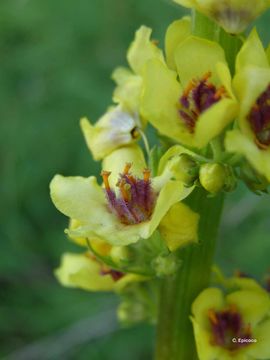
212,128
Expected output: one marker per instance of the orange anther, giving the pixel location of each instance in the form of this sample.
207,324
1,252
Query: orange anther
220,92
190,86
105,175
212,316
146,175
206,76
155,42
124,188
127,168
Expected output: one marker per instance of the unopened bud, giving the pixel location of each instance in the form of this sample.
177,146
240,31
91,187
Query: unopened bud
166,265
254,181
185,169
120,254
130,312
213,177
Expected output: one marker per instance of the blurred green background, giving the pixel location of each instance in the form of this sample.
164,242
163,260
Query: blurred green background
55,63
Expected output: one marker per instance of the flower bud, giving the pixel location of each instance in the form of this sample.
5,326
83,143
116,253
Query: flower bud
185,169
213,177
130,312
166,265
120,254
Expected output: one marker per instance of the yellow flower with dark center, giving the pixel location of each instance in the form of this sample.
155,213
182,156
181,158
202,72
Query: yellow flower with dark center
128,208
235,326
252,87
201,104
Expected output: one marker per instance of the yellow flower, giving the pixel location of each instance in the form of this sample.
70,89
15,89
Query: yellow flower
84,271
129,207
235,326
114,129
233,15
196,109
252,87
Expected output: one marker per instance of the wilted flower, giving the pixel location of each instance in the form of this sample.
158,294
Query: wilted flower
233,15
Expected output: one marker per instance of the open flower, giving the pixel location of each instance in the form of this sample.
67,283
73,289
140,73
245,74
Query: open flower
234,326
84,271
129,207
196,109
252,87
233,15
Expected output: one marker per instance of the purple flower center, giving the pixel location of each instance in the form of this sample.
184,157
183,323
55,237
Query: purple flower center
259,119
199,95
227,325
115,275
136,199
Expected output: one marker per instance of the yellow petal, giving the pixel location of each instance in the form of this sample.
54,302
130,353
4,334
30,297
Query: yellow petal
116,161
178,31
237,142
205,350
251,53
80,198
196,56
142,49
261,349
252,305
210,298
179,227
128,90
114,129
160,101
80,271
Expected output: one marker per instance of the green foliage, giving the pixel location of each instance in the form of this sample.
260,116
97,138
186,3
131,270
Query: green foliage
55,65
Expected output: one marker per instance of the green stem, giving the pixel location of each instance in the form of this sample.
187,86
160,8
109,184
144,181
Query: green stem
175,339
231,45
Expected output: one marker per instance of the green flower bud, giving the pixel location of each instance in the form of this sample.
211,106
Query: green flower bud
166,265
185,169
130,312
120,254
213,177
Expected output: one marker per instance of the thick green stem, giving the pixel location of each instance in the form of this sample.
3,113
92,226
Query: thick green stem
175,340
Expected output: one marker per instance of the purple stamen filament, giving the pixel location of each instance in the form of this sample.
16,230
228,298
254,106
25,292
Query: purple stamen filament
136,199
259,119
226,325
198,96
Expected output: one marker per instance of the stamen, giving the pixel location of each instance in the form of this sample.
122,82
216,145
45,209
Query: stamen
227,324
124,188
135,200
146,175
127,168
212,316
259,120
206,76
105,175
